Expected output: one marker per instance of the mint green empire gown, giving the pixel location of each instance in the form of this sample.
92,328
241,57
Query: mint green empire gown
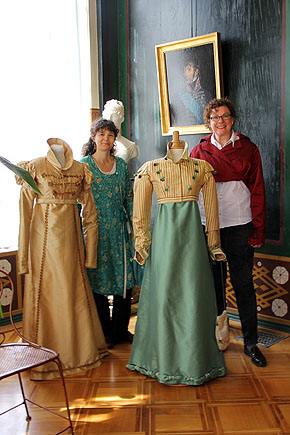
174,338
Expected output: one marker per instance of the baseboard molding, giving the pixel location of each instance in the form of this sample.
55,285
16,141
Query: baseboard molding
6,320
263,323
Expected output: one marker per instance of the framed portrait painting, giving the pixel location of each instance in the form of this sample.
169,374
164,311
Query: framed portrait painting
189,76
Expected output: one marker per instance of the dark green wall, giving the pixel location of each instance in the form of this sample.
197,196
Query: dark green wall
252,46
113,55
286,203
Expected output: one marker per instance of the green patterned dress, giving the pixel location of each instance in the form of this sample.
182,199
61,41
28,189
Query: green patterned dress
113,197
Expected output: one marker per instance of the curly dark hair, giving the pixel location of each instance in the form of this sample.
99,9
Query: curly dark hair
218,102
99,124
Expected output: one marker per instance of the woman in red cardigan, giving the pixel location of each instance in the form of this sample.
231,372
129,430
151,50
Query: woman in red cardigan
242,215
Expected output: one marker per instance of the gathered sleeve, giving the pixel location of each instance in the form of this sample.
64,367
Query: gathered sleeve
89,219
143,190
212,215
26,204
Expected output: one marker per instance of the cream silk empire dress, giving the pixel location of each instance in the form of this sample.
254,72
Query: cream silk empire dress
59,310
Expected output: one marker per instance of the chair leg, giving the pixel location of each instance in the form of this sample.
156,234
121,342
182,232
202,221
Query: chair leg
28,417
57,361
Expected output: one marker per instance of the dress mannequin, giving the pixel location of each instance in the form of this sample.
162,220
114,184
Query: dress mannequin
176,147
58,151
176,143
174,339
58,301
125,148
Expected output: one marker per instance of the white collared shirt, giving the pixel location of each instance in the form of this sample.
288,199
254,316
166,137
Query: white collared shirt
234,198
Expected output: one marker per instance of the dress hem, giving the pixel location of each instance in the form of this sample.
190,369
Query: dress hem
54,374
187,380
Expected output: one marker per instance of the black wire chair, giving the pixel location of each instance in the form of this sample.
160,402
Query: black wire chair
16,358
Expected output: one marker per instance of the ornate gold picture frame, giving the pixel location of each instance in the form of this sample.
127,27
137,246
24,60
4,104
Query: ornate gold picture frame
189,76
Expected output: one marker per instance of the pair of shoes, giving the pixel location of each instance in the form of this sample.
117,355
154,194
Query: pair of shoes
110,343
256,355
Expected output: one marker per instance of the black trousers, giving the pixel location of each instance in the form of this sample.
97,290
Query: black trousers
117,327
240,257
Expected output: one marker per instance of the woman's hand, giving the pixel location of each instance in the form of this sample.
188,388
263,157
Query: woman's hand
139,258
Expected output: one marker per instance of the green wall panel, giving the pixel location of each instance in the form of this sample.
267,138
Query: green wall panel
253,39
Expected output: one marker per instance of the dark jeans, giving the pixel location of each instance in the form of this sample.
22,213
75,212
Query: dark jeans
117,327
240,257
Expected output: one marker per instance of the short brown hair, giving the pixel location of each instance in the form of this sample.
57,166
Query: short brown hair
218,102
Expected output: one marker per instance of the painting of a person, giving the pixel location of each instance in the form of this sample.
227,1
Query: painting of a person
194,97
196,86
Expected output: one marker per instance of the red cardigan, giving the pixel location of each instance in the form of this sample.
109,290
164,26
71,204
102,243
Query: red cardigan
241,162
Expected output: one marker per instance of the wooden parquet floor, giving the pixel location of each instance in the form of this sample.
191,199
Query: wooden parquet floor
114,400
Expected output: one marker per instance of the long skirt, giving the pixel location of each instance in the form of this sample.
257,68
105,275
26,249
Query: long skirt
174,339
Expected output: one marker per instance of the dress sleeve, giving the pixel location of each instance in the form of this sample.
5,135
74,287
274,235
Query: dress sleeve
211,213
89,219
26,204
141,212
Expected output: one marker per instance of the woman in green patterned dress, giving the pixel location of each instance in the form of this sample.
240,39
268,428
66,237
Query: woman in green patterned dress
112,191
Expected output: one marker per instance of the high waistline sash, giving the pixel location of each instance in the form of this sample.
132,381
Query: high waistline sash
55,201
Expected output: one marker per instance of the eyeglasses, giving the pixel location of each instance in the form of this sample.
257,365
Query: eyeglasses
224,117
